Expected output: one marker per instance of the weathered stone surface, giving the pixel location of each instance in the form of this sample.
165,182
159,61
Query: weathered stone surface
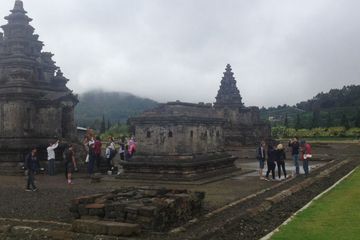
35,104
89,226
105,228
165,208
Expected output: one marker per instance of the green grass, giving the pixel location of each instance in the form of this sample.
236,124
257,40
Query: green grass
336,215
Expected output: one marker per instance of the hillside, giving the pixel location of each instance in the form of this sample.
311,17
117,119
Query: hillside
338,107
114,106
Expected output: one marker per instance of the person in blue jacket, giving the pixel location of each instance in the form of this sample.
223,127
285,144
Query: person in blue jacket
31,166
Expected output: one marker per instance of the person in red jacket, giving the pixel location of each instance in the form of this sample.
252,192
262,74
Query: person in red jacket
97,152
306,155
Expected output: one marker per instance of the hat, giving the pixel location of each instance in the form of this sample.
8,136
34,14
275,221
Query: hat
280,147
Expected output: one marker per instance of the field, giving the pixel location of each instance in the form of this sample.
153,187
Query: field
333,216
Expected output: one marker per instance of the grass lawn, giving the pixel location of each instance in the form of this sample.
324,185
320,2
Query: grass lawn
336,215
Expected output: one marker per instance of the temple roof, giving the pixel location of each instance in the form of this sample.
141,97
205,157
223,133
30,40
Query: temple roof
228,94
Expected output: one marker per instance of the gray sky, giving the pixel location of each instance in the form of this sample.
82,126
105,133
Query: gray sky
281,51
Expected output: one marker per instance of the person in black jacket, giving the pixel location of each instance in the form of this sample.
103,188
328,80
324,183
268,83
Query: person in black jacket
295,146
270,162
260,155
280,159
31,166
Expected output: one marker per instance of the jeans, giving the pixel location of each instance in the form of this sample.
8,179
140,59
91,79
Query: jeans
295,157
281,165
30,179
51,167
91,164
271,167
306,166
98,160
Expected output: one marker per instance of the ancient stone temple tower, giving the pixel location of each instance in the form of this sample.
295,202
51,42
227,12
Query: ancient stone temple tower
35,104
228,94
243,125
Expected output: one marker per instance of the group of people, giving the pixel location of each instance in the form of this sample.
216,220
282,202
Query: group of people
274,155
32,165
93,147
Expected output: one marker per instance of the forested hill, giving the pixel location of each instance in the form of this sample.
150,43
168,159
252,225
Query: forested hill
348,96
114,106
338,107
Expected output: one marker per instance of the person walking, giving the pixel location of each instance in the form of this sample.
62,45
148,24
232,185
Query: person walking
110,153
91,163
295,146
70,163
260,155
270,162
306,155
280,160
51,157
31,167
97,151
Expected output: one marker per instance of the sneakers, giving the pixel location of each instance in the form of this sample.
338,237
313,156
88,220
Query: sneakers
28,190
35,189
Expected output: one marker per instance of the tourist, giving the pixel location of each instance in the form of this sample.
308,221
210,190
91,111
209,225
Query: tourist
51,157
132,146
86,147
294,144
260,155
270,162
91,163
70,163
31,167
280,159
306,155
110,153
122,151
97,151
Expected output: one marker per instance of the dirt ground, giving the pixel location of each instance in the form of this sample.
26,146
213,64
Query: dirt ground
52,201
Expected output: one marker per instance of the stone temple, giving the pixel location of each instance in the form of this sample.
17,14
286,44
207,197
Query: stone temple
243,125
185,141
35,104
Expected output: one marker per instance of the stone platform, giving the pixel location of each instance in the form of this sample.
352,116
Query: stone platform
152,208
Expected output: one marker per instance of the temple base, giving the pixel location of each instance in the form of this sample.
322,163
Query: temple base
178,168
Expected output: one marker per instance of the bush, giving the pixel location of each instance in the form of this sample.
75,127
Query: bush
282,132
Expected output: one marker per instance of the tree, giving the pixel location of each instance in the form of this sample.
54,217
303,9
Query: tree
315,119
108,124
102,127
298,124
357,119
345,122
286,121
329,120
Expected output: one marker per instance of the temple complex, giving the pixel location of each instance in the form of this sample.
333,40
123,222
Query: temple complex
185,141
35,104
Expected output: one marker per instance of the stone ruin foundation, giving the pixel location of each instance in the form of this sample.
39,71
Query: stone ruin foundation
148,208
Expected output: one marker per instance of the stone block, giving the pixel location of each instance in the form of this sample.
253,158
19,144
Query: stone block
121,229
5,228
147,211
60,235
89,227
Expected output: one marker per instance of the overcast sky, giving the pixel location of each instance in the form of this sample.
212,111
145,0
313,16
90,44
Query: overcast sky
281,51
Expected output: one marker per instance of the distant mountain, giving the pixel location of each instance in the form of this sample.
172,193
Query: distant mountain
333,108
116,107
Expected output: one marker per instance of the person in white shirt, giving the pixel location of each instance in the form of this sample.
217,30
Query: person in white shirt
51,157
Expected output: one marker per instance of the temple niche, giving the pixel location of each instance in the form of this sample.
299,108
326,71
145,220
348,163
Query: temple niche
35,104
